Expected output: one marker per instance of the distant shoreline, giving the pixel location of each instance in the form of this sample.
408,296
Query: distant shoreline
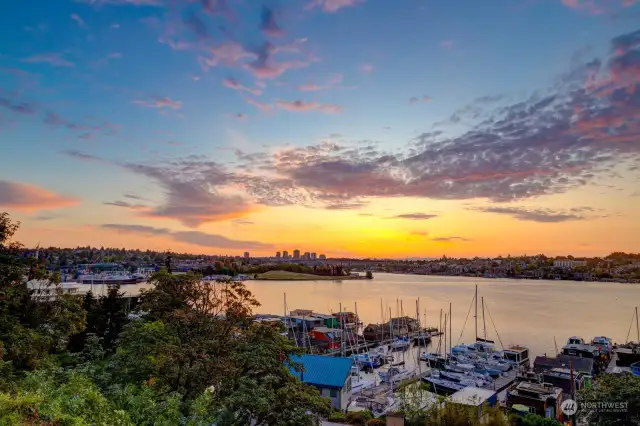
607,280
296,276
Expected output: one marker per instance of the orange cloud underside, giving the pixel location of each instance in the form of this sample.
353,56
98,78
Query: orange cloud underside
22,196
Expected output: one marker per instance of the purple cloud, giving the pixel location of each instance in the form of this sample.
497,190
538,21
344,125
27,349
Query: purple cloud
414,216
332,6
201,239
309,106
539,214
268,24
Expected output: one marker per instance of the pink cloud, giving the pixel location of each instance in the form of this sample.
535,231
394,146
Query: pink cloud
258,104
22,196
367,67
79,20
272,69
309,106
159,103
229,53
53,59
312,87
332,6
415,99
232,83
588,6
446,43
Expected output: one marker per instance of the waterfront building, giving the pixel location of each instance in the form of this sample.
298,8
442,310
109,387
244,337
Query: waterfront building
314,256
277,255
285,254
296,254
246,255
568,264
330,375
307,256
543,399
473,400
323,257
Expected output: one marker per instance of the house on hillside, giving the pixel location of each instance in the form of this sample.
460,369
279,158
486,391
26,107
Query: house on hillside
330,375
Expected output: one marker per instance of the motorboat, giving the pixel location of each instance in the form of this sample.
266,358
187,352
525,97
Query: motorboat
401,343
605,344
461,378
367,360
442,386
394,374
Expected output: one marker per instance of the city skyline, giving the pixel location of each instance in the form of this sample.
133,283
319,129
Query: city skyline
233,127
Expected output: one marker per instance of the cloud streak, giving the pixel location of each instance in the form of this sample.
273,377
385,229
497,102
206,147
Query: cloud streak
196,238
53,59
414,216
309,106
332,6
165,102
22,196
538,214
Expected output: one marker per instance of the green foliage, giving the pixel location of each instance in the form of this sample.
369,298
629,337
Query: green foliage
359,418
337,416
54,397
192,358
31,326
612,388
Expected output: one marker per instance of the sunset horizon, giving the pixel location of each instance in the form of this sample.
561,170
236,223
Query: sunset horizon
342,127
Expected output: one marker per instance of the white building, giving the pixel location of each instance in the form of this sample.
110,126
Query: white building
568,264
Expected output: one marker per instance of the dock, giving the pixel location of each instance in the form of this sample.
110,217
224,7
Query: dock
365,346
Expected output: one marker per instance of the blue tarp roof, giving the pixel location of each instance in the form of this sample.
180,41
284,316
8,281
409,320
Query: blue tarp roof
323,371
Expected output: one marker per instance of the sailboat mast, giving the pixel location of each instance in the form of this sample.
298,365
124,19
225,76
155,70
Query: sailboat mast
450,328
484,322
637,326
476,315
440,331
444,349
418,319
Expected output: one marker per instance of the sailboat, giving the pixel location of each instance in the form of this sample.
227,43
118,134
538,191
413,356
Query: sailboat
629,353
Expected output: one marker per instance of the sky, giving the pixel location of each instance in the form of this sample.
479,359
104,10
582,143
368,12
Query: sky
359,128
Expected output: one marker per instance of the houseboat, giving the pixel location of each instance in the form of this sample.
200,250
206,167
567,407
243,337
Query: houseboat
628,354
561,378
543,399
518,355
577,347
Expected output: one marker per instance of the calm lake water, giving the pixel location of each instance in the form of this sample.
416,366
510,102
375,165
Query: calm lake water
528,312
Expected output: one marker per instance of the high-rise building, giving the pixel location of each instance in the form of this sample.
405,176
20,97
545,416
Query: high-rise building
313,256
307,256
277,255
323,257
246,255
285,254
296,254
